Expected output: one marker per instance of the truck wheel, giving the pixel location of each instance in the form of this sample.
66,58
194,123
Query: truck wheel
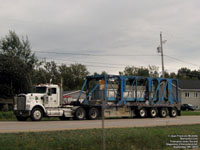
153,112
20,118
80,114
36,114
142,113
93,113
163,112
173,112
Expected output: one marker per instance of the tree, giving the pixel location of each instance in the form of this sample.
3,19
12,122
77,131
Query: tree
17,64
102,73
195,75
184,73
167,75
135,71
73,76
173,75
52,72
40,75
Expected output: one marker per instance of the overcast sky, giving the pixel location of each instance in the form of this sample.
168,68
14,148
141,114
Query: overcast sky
106,29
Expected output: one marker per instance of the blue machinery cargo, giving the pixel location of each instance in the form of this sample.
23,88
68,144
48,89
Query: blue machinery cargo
130,96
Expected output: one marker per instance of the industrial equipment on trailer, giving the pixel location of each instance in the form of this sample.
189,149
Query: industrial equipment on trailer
122,96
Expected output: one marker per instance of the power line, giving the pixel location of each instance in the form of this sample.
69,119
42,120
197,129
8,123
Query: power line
114,55
177,59
94,66
87,54
91,62
85,64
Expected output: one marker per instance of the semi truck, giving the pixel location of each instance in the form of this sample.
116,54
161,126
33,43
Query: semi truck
118,95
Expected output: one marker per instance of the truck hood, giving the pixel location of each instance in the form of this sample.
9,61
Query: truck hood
35,94
32,94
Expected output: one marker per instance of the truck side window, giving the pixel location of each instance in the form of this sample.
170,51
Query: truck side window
53,90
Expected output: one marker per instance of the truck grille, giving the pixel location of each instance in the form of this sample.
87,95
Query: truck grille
21,103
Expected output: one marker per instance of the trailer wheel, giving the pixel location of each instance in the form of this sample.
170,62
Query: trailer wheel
93,113
173,112
153,112
36,114
20,118
142,112
163,112
80,114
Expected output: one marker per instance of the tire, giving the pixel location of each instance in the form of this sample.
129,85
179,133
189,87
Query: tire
163,112
20,118
36,114
93,113
153,112
142,113
173,112
80,114
64,118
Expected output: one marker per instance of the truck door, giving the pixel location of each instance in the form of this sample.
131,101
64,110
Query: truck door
52,98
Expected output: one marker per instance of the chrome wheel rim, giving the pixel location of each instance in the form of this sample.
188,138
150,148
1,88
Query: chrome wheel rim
37,114
142,112
164,113
93,114
80,114
153,112
173,113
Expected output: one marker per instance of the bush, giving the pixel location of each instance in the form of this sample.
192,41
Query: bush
5,107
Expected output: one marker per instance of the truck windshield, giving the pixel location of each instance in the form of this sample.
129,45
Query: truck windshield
40,89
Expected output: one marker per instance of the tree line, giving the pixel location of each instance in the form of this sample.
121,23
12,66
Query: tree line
20,69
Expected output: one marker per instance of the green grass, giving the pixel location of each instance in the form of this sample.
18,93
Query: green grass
9,116
151,138
190,113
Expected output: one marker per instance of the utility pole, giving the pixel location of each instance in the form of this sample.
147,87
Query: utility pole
162,59
160,50
104,84
103,129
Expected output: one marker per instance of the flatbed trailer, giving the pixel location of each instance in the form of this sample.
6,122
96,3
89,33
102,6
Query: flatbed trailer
128,96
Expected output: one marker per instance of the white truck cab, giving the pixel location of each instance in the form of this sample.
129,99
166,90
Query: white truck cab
46,100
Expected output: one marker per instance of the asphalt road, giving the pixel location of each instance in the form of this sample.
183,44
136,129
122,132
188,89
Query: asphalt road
29,126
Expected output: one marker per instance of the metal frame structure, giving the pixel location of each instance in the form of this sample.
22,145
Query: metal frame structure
160,91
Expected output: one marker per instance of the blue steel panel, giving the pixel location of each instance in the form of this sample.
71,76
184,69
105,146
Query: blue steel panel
86,99
130,99
121,101
146,95
82,90
170,91
163,94
111,99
